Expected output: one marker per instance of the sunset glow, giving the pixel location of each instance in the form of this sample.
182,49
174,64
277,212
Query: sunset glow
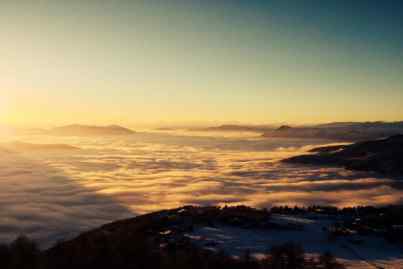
203,134
128,62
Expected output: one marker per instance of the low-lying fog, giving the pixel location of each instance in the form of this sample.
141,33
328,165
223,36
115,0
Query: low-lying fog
55,192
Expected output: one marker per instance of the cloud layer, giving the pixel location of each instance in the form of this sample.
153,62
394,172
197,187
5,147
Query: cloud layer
51,196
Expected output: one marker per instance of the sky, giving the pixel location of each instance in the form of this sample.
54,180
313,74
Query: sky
138,62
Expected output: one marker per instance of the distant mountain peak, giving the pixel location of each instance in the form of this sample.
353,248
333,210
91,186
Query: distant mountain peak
284,127
90,130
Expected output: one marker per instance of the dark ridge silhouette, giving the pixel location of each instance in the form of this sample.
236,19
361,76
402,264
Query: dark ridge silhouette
384,156
367,124
237,128
88,130
340,131
143,242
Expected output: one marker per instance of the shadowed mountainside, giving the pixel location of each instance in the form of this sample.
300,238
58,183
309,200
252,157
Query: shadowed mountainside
165,239
384,156
159,240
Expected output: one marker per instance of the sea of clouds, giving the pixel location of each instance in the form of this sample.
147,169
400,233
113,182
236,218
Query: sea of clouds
54,195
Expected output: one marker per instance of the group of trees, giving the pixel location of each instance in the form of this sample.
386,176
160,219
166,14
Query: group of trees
24,254
292,256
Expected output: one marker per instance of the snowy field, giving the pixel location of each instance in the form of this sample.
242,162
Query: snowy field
373,252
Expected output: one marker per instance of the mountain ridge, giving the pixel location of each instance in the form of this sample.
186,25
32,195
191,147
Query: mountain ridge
384,156
90,130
